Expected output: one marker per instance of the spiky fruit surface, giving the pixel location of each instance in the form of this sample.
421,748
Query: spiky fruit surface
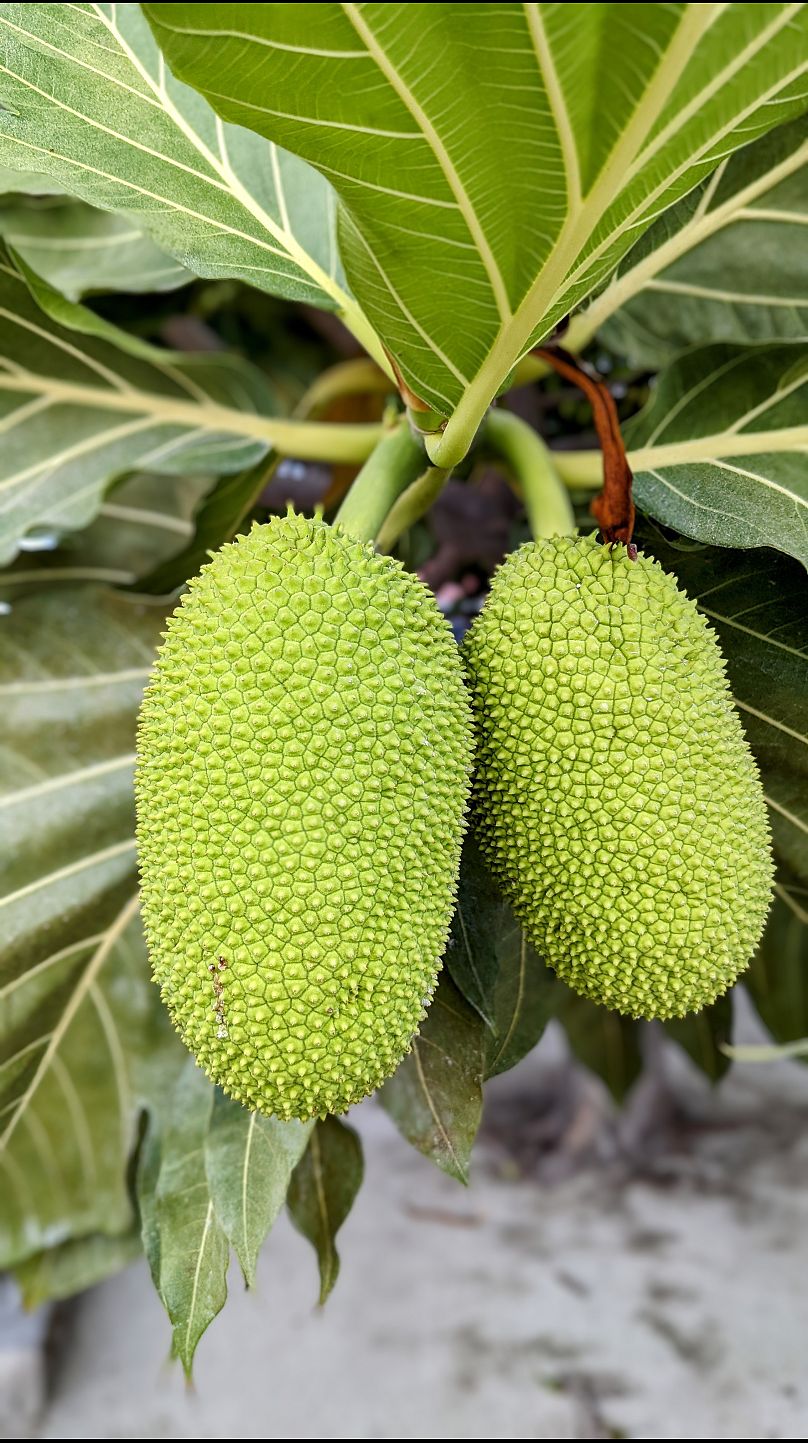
617,800
303,768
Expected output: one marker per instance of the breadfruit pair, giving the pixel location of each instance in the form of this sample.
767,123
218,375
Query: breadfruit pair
304,761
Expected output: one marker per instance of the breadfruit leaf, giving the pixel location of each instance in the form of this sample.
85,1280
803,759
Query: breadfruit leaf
249,1160
322,1191
83,406
435,1097
88,102
84,1038
622,109
728,262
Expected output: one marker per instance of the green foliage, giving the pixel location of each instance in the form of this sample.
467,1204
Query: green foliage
435,1097
655,193
719,452
80,411
322,1191
703,1035
726,263
81,251
653,90
607,1043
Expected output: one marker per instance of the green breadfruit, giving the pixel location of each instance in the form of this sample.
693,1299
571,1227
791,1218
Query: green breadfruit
616,799
304,758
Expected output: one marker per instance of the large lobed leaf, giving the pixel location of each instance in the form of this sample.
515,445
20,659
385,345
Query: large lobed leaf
142,522
322,1192
607,114
210,1176
79,410
81,250
728,262
720,451
249,1160
83,1035
435,1097
185,1242
88,102
778,979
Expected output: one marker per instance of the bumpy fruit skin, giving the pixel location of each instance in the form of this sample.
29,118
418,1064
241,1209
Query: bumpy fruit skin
303,770
616,798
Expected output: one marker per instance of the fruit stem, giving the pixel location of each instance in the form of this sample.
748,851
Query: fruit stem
532,465
396,462
411,505
613,508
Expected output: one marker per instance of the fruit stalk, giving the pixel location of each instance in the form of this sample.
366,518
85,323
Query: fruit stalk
411,505
531,464
613,509
396,462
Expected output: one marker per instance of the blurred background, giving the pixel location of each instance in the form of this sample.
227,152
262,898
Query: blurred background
608,1273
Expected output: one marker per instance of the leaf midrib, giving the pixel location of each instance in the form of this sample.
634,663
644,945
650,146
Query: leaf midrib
556,278
94,966
212,418
690,235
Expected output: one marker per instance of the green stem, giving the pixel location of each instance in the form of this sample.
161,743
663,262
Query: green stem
580,470
411,505
316,440
397,460
548,506
576,338
347,378
305,440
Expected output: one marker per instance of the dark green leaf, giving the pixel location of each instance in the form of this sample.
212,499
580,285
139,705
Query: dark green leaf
83,251
719,452
83,1035
249,1160
82,406
217,520
322,1191
435,1097
142,521
727,263
471,954
148,1173
703,1034
778,977
63,1271
524,998
604,1041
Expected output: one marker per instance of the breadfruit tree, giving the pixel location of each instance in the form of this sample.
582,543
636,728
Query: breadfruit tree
311,317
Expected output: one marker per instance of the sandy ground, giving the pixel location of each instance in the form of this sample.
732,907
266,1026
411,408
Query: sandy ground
641,1277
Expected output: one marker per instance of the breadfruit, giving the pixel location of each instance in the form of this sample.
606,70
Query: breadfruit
304,754
616,799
